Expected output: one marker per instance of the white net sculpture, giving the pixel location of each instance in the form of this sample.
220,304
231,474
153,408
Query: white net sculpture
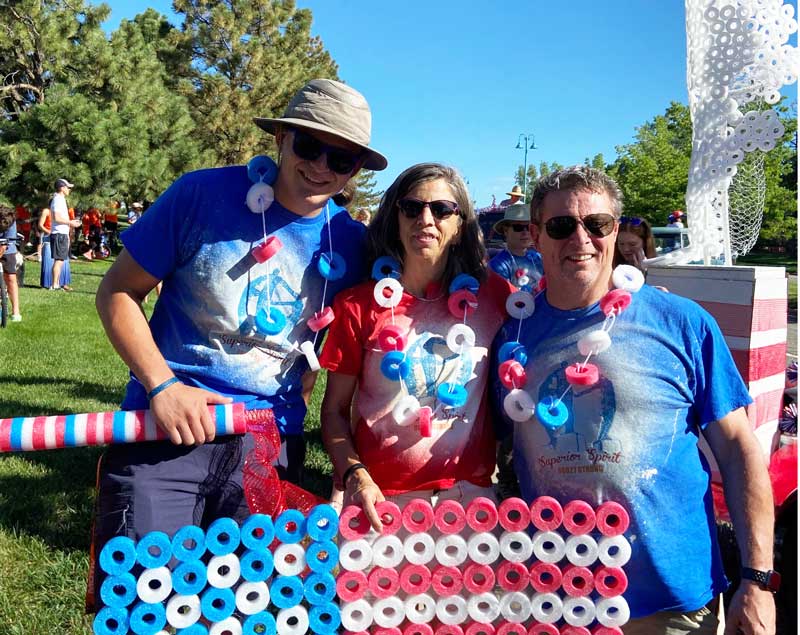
737,54
746,202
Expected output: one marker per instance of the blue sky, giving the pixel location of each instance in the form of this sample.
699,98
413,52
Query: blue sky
458,81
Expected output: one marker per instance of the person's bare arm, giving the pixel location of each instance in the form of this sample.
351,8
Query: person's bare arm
61,216
180,410
748,495
308,380
42,218
359,489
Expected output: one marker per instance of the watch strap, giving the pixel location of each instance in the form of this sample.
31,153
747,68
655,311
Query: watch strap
769,580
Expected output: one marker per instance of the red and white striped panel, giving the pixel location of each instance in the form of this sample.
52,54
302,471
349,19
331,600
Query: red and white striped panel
750,305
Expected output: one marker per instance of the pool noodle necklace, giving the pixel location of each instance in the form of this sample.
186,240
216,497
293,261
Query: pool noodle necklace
552,413
392,340
263,171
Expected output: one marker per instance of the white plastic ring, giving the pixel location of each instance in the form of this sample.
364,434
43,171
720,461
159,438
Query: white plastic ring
518,405
460,338
224,571
420,609
515,607
391,285
405,411
154,585
418,548
546,608
228,626
355,555
548,546
388,612
628,278
520,305
613,611
252,597
484,607
483,548
292,621
387,551
614,551
578,611
594,342
516,546
356,616
581,550
290,559
259,197
451,550
183,610
452,610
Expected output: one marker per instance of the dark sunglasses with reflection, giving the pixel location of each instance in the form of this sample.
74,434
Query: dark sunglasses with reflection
412,208
561,227
309,148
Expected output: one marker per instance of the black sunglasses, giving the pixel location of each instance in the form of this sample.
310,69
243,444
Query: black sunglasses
309,148
630,220
561,227
412,208
520,227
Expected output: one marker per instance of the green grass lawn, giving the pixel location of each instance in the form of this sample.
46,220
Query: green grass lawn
765,259
58,360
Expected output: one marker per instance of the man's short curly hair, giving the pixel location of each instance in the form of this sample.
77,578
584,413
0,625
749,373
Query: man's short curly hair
576,177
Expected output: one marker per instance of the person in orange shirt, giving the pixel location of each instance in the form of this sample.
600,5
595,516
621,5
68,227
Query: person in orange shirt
91,218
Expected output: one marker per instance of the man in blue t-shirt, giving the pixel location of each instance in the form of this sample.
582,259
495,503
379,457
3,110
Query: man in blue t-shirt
631,434
229,326
518,263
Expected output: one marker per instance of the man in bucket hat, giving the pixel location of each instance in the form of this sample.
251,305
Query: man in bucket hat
242,277
518,263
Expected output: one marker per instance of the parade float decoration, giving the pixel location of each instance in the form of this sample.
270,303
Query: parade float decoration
483,569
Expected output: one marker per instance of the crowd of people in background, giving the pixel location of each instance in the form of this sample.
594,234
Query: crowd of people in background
59,233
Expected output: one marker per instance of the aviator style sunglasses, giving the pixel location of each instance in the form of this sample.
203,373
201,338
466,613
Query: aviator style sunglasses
412,208
309,148
520,227
561,227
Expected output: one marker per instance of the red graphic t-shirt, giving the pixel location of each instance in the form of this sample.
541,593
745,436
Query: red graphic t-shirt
462,444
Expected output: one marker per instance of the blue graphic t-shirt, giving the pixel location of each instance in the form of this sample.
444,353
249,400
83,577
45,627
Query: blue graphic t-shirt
524,272
197,238
632,437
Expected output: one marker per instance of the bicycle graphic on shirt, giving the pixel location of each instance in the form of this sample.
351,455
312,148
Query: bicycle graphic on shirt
280,295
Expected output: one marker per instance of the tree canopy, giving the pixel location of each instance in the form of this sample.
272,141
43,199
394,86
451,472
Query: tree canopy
122,115
653,171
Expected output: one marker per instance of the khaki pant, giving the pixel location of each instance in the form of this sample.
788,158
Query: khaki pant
704,621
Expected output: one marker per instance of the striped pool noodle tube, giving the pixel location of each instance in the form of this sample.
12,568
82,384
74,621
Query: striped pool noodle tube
22,434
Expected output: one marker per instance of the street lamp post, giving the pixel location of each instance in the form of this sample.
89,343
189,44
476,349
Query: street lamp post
522,144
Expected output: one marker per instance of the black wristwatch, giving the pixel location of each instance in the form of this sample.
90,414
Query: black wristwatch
767,580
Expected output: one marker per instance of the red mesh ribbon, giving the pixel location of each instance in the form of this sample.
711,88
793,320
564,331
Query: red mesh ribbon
263,488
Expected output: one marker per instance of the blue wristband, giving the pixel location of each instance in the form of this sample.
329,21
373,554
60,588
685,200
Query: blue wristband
162,387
